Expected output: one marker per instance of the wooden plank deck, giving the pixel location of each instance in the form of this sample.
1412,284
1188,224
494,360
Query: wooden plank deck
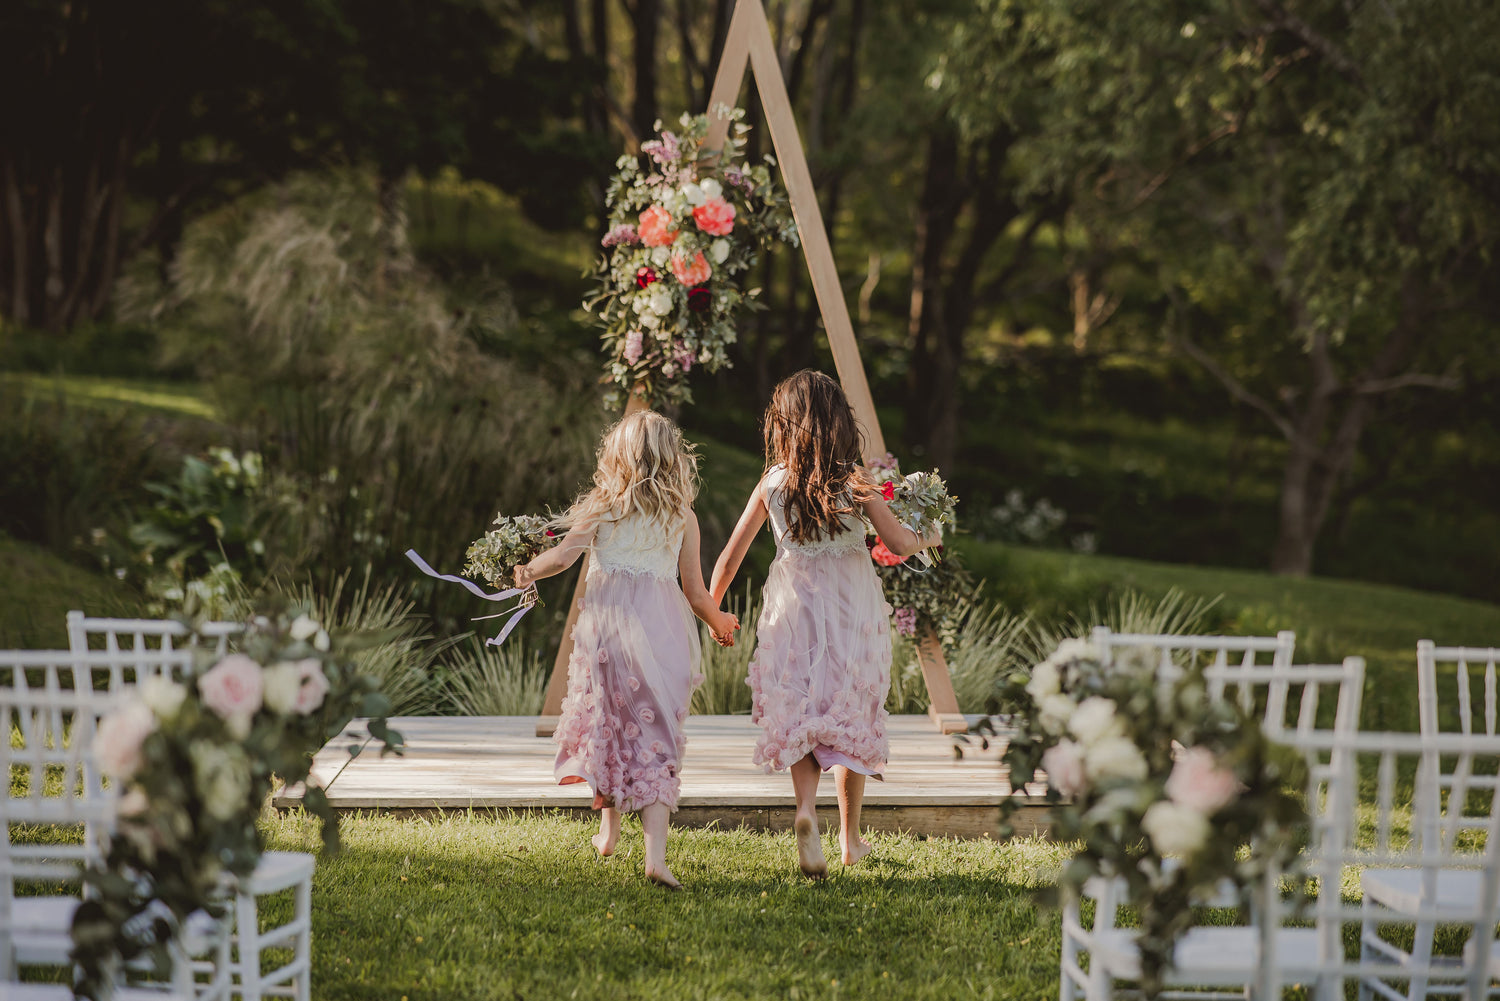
496,762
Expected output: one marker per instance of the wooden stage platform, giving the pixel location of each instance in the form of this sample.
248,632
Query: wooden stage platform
497,762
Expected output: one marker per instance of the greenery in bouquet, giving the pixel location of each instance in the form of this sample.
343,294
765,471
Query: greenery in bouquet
1140,771
683,232
519,539
931,596
195,758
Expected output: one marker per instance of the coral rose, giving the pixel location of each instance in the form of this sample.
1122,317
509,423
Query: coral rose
715,217
882,554
694,273
656,227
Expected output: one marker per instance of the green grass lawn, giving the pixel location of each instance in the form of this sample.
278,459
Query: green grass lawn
487,906
1332,618
155,396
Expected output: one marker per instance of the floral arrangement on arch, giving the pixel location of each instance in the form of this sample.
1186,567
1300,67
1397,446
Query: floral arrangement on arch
932,594
682,234
194,758
1140,772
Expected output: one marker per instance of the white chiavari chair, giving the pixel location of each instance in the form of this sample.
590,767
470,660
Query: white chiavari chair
1211,961
54,787
277,872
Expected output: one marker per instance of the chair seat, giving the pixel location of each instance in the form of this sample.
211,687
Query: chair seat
1208,956
278,871
1400,890
42,930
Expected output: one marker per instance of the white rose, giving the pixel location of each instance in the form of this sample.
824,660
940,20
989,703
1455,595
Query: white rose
118,741
133,804
711,188
322,641
660,256
1115,758
661,301
1063,763
640,304
650,320
1045,681
304,627
162,695
222,778
1096,720
719,251
1175,829
1074,649
281,684
693,194
1056,710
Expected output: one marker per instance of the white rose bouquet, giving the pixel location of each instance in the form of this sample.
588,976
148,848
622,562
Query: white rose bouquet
1138,772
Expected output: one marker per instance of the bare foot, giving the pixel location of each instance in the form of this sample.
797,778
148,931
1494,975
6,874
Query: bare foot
809,847
609,832
603,844
663,878
853,853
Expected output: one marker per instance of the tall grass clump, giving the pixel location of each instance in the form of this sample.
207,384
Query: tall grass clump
991,644
404,659
724,691
1173,614
362,378
508,680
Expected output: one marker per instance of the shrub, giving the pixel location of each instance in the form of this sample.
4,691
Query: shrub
508,680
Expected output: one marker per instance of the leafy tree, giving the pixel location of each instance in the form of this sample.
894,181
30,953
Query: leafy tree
1316,191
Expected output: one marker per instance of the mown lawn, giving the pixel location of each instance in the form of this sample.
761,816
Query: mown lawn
481,906
1332,618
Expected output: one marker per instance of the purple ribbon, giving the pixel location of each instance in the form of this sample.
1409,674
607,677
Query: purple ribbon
515,613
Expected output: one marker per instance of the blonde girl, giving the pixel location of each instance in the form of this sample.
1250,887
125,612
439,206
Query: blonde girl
635,645
822,664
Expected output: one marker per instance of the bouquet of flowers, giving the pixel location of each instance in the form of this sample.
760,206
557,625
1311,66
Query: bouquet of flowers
920,501
1139,771
195,757
518,540
935,597
681,234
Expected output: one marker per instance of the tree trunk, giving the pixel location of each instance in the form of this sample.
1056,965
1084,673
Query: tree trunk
937,209
646,15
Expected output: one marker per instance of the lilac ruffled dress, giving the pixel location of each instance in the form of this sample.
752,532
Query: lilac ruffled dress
822,664
634,666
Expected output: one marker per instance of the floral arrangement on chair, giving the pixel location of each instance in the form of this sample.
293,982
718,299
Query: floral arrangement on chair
920,598
682,233
1141,773
194,758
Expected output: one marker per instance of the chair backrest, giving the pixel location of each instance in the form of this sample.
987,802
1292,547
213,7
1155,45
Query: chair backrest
1432,711
1176,654
1366,795
1293,698
129,640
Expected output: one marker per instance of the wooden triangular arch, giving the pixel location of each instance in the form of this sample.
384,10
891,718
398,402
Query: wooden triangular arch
749,42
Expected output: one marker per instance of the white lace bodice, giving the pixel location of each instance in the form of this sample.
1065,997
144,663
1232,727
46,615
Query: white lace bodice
850,540
636,545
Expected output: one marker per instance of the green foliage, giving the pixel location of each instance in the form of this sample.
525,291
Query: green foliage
204,517
726,669
509,680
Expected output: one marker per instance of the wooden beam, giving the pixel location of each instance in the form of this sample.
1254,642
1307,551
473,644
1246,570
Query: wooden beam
942,703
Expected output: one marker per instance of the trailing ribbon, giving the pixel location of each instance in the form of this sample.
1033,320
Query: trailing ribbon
526,594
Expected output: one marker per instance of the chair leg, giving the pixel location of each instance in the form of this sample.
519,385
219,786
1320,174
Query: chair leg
247,922
1421,959
304,941
1366,929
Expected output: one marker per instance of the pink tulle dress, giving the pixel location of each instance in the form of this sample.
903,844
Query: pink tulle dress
822,664
634,666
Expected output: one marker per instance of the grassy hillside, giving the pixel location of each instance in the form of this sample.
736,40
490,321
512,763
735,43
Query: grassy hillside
1332,618
37,590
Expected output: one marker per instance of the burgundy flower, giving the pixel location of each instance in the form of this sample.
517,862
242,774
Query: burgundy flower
645,277
699,299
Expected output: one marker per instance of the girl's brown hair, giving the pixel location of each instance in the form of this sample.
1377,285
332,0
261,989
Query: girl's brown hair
810,429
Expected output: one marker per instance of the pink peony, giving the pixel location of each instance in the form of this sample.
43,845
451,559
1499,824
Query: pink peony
1198,783
118,741
656,227
695,273
314,686
634,345
715,217
233,688
1063,763
882,554
621,234
906,621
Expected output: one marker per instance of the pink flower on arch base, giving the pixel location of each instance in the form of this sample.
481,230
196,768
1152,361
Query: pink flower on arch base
691,273
656,227
715,217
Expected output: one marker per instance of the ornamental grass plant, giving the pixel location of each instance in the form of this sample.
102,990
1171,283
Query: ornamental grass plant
508,680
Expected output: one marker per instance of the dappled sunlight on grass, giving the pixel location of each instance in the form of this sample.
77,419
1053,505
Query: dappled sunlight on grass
184,399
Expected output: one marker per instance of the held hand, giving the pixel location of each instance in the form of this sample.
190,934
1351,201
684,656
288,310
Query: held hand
723,630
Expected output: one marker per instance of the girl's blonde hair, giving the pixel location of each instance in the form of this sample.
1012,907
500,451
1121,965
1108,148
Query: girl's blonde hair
644,467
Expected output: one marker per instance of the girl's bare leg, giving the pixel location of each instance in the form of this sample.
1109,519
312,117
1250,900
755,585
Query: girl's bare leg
655,820
805,775
851,785
609,831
